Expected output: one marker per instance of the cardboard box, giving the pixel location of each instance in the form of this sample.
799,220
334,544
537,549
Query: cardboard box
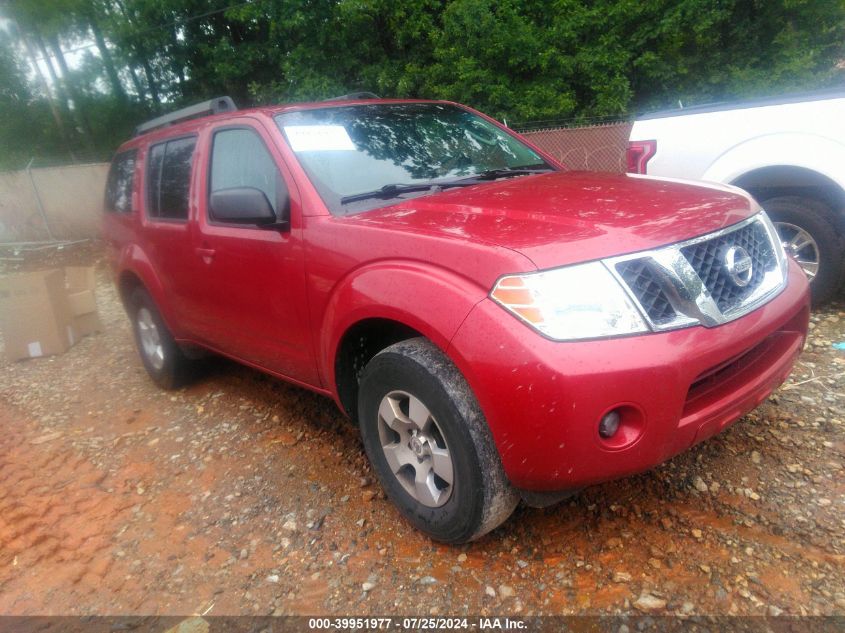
48,311
80,282
35,315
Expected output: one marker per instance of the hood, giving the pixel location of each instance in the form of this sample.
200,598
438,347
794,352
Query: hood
562,218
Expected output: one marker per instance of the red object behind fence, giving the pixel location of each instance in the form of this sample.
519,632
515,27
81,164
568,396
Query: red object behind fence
593,148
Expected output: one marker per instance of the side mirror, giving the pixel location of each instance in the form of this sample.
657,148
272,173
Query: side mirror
242,205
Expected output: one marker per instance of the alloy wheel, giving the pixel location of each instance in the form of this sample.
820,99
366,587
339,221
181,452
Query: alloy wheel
801,246
150,337
415,448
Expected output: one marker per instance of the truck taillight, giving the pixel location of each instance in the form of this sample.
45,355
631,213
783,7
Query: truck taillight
638,155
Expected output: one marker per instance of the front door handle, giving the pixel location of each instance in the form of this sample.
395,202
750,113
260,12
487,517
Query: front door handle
207,254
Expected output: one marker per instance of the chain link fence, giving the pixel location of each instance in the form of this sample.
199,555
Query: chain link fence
599,147
47,205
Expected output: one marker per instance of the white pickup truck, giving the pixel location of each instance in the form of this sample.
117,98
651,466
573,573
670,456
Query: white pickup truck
788,152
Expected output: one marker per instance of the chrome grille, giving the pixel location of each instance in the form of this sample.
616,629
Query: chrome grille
706,258
689,283
643,283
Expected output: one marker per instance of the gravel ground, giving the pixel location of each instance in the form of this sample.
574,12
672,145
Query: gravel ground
243,495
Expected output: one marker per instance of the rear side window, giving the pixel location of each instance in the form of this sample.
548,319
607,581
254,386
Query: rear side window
119,183
239,158
169,179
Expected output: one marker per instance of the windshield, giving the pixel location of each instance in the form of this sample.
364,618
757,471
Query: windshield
360,157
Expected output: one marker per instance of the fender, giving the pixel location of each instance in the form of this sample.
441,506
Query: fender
810,151
432,300
133,259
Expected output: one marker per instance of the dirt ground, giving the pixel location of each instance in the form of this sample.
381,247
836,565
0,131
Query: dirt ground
243,495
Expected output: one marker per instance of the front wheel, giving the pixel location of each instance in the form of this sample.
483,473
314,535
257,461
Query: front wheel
807,229
430,445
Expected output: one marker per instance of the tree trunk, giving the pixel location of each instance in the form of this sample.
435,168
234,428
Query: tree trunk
140,55
151,83
54,77
128,53
45,87
136,82
78,111
108,62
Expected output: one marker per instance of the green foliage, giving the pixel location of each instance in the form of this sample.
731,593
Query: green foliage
519,59
25,124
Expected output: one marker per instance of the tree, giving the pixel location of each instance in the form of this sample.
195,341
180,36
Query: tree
515,59
27,128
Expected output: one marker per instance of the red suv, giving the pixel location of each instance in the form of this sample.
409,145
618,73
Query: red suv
499,327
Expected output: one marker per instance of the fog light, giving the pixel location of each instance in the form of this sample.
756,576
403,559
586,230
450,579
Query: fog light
609,424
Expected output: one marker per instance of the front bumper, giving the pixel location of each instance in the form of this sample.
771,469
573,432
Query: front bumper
543,400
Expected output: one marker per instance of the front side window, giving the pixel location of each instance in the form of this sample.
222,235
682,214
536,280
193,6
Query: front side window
350,150
169,179
240,159
119,182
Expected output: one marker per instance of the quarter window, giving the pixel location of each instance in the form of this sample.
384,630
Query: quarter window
239,158
169,173
119,183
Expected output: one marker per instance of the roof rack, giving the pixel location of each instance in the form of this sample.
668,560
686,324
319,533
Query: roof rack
212,106
354,96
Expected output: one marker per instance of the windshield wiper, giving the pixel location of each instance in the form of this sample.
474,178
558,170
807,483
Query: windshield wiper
394,190
507,172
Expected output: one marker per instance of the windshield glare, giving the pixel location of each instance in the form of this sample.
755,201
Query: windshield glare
347,150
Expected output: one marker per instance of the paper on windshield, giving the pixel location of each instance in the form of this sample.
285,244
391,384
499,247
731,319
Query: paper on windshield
318,138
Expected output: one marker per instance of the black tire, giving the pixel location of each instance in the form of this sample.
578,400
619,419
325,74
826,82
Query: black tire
816,218
480,496
175,368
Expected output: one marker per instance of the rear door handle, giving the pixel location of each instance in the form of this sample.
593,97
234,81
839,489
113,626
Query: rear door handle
207,254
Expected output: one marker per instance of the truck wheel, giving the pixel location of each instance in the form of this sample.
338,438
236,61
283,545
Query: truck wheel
809,235
162,358
430,445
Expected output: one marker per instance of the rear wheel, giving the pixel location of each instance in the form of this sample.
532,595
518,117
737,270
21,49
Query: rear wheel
429,443
808,231
161,356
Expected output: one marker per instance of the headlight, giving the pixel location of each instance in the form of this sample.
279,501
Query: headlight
575,302
780,253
